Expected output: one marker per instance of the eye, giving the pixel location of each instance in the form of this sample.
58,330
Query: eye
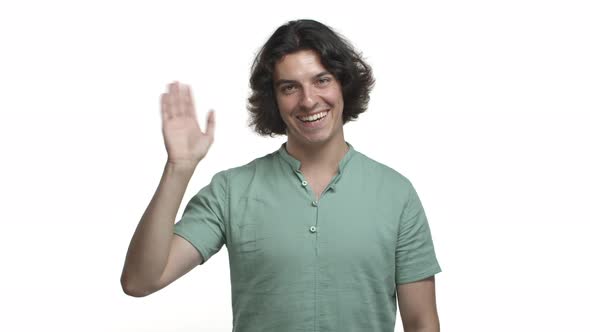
288,88
324,81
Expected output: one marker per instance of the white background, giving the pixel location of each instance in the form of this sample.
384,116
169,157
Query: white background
482,105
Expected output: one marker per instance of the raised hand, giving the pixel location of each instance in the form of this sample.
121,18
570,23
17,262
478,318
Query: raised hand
185,143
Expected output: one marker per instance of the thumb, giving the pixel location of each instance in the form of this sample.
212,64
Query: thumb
210,130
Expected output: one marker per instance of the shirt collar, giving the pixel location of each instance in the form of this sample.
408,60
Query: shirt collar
296,164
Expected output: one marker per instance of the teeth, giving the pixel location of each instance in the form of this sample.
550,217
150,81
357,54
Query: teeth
314,117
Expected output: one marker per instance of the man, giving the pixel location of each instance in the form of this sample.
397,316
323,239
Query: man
320,237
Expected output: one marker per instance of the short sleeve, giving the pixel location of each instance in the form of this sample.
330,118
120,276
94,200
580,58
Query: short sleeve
202,223
415,256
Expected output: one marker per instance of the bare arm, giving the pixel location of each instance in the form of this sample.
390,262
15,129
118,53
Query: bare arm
417,306
151,243
156,257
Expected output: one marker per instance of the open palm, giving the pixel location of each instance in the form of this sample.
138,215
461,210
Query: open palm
184,140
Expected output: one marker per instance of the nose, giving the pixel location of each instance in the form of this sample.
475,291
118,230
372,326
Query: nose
309,98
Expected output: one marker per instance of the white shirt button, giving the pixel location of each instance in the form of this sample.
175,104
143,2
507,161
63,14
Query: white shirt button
312,229
304,183
315,203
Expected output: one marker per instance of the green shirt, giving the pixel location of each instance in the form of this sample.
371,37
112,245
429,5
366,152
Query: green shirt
298,264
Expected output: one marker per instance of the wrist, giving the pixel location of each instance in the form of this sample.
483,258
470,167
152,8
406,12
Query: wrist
181,166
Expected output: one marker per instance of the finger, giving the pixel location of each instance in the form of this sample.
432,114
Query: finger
174,99
189,107
165,106
171,87
210,130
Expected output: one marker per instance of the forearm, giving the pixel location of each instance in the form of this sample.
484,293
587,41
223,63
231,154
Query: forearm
431,325
150,245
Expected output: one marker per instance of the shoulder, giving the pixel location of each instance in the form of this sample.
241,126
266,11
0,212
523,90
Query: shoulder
385,181
245,172
381,171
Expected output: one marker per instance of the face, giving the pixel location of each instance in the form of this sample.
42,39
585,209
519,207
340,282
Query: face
303,88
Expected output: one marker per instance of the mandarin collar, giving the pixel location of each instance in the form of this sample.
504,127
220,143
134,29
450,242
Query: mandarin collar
296,164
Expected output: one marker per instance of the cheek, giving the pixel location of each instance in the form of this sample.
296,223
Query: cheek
285,106
334,96
283,112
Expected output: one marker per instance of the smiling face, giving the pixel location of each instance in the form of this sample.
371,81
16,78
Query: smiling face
303,88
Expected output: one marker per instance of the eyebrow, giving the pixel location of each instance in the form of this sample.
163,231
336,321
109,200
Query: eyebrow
279,82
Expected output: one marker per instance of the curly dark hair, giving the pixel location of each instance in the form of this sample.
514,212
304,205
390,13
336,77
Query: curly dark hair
337,56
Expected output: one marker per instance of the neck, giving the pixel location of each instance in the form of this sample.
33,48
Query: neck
318,158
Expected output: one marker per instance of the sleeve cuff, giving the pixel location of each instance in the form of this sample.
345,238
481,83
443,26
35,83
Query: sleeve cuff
416,277
185,236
